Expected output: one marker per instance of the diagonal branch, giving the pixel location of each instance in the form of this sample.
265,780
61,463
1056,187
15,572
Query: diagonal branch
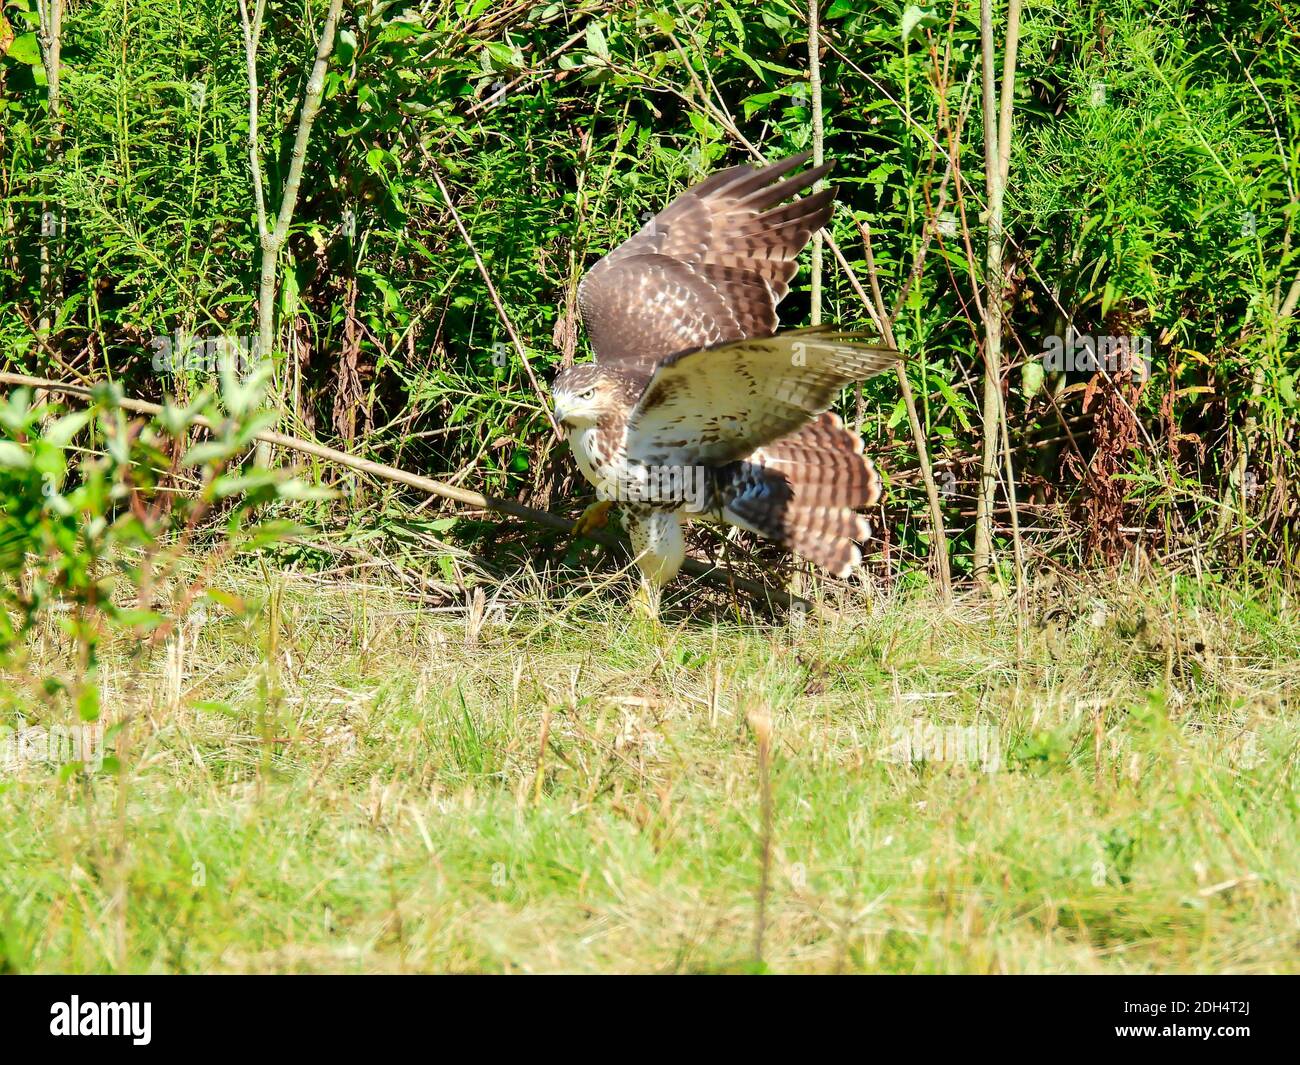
496,300
272,239
452,493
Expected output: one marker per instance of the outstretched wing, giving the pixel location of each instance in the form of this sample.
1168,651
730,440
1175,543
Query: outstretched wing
709,268
717,405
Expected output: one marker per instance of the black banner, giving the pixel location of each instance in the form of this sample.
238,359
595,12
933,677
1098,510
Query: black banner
145,1014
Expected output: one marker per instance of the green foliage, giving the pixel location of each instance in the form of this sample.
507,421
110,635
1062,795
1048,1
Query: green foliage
97,511
1155,164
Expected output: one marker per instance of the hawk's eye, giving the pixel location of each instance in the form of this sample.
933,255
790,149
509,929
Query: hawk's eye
587,394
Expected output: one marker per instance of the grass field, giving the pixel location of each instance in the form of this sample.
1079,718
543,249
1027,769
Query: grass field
356,782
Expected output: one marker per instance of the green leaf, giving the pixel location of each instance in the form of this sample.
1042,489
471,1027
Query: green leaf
704,127
14,456
233,603
268,532
954,401
240,396
289,294
238,484
744,58
212,706
136,618
900,412
25,48
60,434
88,701
301,490
596,43
1031,377
914,19
211,451
347,46
1286,389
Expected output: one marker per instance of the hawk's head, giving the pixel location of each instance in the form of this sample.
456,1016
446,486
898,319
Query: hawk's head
585,394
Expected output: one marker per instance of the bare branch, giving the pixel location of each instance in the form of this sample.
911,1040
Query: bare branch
310,109
452,493
818,146
252,34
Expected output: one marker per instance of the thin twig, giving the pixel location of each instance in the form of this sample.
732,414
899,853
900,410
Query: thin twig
464,496
818,148
496,300
997,154
938,529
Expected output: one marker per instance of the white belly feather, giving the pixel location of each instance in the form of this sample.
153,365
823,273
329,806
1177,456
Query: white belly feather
658,543
656,534
604,471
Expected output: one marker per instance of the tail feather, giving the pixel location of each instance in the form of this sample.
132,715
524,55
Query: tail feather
803,492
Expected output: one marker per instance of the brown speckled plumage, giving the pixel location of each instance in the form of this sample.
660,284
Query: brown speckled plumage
691,374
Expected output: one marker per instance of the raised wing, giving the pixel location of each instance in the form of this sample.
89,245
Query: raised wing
709,268
717,405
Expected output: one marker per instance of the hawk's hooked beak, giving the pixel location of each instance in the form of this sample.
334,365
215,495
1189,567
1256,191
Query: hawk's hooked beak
562,414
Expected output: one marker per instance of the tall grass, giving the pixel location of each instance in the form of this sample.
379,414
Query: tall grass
347,781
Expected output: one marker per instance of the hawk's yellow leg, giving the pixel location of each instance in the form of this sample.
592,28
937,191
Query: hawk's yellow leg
645,601
594,517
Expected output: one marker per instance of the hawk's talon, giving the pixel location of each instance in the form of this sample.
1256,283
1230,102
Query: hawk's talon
594,517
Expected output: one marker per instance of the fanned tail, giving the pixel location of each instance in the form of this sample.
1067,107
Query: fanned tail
803,492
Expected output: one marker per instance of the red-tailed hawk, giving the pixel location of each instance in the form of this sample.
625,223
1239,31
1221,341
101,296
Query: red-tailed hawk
695,405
